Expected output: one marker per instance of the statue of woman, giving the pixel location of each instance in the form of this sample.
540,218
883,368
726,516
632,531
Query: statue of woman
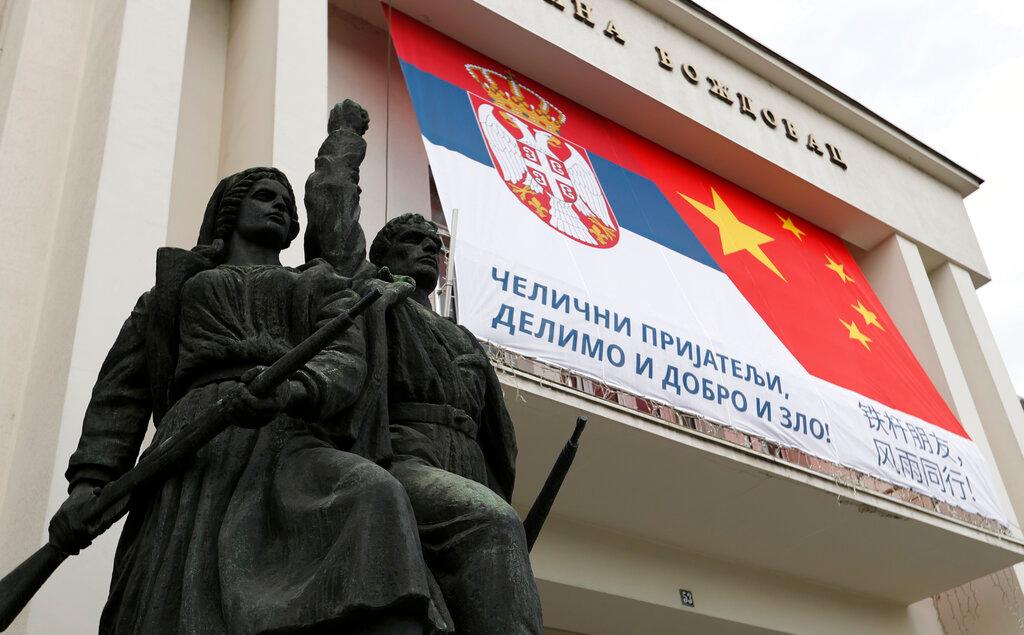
270,528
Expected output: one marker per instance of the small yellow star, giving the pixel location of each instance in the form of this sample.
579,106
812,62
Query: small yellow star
855,333
870,318
838,268
787,224
735,235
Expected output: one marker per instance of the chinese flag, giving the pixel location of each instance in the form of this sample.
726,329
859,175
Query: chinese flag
806,286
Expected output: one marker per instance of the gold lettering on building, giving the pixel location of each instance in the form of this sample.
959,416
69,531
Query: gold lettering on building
613,32
812,145
718,90
583,12
690,73
790,129
664,60
835,156
744,104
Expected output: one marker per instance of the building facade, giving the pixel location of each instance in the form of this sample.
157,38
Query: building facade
119,117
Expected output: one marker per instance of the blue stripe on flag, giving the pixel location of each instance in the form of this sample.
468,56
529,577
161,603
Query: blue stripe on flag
640,207
446,119
445,114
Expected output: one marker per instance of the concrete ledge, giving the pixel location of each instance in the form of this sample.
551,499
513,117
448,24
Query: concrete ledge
642,476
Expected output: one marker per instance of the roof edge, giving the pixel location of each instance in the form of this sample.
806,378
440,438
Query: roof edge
817,92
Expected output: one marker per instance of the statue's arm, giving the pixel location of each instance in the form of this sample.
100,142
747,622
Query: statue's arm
332,192
119,410
334,378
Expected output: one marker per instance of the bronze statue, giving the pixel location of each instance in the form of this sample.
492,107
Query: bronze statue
444,429
281,516
272,526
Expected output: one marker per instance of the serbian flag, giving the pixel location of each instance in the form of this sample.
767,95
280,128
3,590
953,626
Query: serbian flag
579,243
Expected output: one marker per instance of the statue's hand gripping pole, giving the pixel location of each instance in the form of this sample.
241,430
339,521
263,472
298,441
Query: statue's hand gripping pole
18,586
539,512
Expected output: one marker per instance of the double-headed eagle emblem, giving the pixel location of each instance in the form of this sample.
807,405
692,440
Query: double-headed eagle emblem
551,176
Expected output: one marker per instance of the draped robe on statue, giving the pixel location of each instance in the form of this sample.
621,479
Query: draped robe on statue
266,530
440,421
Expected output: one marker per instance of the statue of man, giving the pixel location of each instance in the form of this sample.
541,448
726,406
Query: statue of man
448,436
273,526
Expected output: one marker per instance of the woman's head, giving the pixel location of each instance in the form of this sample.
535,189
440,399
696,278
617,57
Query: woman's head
258,202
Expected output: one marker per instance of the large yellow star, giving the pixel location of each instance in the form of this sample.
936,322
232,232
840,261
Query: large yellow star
870,318
855,333
735,235
788,225
838,268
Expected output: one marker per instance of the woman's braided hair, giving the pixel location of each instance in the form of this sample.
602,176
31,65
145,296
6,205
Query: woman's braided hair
227,214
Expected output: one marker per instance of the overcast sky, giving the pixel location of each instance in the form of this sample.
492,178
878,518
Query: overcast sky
949,72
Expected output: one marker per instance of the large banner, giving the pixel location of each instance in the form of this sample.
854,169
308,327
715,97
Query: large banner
584,245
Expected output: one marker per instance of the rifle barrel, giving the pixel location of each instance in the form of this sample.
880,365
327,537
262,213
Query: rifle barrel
18,586
542,506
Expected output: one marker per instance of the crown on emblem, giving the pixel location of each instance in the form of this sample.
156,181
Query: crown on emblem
506,92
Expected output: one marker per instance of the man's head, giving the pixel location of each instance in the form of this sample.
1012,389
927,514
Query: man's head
409,245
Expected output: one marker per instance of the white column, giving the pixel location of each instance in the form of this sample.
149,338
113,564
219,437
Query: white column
40,82
395,175
987,378
897,274
275,99
247,127
197,152
300,97
1000,412
129,223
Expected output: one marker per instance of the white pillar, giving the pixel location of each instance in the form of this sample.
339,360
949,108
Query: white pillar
300,97
197,151
897,274
1001,416
395,175
129,222
987,378
40,81
275,100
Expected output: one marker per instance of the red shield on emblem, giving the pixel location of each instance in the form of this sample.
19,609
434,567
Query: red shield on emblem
551,176
568,193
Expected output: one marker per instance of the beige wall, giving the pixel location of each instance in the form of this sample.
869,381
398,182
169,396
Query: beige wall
647,577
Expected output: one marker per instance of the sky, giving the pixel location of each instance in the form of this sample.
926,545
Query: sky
949,72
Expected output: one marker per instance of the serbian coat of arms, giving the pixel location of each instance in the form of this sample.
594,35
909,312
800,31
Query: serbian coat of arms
551,176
